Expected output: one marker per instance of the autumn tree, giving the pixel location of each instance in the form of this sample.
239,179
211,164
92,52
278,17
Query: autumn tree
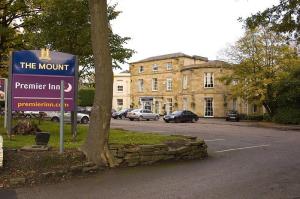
281,18
96,144
259,58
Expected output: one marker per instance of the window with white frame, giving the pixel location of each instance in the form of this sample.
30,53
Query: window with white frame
184,81
169,65
208,80
120,102
154,84
184,103
154,67
169,105
140,85
234,82
120,88
141,69
208,107
169,84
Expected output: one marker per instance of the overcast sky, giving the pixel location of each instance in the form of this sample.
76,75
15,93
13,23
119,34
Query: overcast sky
194,27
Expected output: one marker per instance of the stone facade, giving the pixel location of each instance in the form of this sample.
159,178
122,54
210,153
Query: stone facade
195,86
121,91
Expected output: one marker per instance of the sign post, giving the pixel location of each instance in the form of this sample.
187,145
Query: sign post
35,81
62,111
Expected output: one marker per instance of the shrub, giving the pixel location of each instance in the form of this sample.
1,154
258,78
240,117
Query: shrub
86,96
267,117
287,115
255,117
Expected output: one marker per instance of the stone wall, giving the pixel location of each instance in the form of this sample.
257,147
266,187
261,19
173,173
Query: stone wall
133,155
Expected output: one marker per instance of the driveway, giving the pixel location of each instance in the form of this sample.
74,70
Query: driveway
244,162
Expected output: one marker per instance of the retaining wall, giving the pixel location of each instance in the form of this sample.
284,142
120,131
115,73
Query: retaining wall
133,155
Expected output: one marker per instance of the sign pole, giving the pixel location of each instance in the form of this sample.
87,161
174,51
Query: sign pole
61,129
5,108
8,102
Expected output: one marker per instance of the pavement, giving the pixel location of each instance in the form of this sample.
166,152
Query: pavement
251,124
245,161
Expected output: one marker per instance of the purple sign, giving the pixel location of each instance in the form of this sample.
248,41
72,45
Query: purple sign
36,80
2,89
36,93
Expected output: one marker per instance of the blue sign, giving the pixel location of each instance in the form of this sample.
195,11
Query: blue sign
36,62
36,77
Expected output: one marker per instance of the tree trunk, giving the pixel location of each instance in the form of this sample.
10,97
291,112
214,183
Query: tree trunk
96,144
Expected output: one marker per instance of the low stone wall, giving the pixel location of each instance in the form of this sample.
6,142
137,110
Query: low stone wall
133,155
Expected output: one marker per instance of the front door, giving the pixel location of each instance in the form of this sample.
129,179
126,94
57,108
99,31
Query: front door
147,105
169,106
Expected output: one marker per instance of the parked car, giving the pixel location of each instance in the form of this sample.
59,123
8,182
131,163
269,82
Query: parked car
113,111
81,117
142,114
86,110
33,114
232,115
181,116
122,114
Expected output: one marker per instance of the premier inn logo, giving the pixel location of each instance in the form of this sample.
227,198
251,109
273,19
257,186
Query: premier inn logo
45,54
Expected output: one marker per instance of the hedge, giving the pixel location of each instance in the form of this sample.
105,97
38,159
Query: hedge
86,96
287,115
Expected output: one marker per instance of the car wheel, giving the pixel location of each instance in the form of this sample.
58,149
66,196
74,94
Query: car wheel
167,121
131,119
55,119
84,120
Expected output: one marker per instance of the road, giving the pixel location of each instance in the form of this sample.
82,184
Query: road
244,162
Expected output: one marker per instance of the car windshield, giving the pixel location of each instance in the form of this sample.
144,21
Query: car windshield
176,113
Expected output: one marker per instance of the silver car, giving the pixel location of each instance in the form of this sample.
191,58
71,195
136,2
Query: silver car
142,114
81,117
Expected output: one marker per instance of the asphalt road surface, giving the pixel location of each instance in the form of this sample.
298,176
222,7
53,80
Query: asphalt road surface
244,162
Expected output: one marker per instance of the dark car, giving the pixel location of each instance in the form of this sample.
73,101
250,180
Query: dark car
232,116
121,114
181,116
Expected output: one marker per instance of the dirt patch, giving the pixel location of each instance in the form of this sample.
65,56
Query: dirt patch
28,168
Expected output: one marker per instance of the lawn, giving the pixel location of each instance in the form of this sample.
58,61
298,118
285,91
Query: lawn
116,136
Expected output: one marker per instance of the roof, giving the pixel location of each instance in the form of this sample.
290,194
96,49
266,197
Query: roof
209,64
170,56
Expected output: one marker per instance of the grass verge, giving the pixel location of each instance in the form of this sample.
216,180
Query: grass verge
116,136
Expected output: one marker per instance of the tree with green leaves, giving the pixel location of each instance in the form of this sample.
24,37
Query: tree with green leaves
288,96
282,18
12,15
64,25
260,58
96,143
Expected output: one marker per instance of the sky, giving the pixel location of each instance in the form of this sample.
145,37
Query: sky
193,27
